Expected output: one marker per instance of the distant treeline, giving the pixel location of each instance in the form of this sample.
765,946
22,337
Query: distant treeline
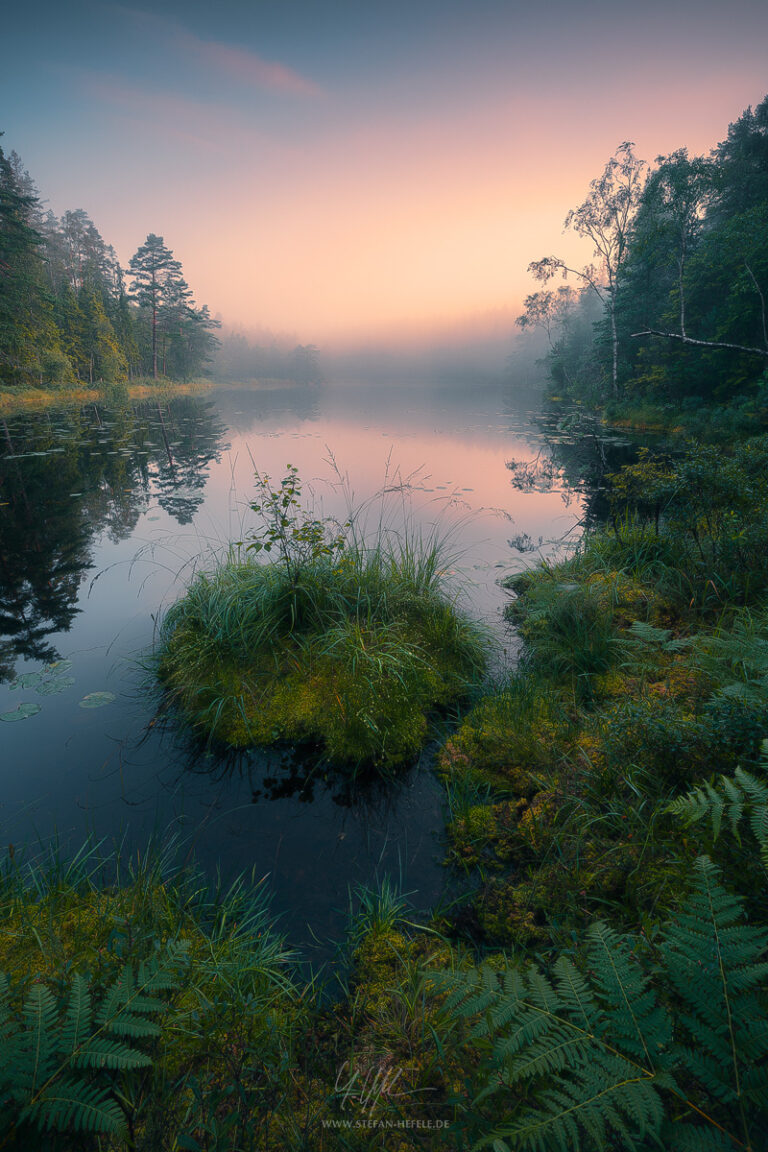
675,306
267,357
69,313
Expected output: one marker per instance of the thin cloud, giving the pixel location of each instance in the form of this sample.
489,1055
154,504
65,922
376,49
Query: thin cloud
248,68
221,128
236,63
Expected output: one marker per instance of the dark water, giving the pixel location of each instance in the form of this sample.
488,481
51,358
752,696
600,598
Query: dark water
104,515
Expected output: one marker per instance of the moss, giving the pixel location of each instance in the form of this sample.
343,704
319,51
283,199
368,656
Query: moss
508,738
351,655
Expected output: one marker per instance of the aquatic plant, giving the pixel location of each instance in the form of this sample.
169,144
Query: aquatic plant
341,641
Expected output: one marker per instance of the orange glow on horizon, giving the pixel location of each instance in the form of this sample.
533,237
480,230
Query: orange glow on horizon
303,201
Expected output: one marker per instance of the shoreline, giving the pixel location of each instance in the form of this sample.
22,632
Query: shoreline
17,402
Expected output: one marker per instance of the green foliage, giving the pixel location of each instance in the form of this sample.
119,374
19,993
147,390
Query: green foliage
28,335
176,335
297,537
615,1049
132,988
58,1053
708,508
336,641
731,798
568,632
65,314
682,281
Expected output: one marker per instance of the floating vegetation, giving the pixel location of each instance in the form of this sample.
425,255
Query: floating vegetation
97,699
23,712
345,644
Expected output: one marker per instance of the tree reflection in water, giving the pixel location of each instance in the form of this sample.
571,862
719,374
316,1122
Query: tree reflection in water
67,477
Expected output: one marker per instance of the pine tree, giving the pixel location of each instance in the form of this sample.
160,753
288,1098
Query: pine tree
155,276
29,341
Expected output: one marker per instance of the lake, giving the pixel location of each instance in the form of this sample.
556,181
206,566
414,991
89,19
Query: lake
105,512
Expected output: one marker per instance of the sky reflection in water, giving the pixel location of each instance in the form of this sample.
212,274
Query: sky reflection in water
103,517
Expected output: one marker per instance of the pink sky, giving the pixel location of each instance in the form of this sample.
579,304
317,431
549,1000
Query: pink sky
303,192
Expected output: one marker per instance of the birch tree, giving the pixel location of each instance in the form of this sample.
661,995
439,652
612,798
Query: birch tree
605,218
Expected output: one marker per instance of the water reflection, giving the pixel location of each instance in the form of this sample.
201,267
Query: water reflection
66,480
103,514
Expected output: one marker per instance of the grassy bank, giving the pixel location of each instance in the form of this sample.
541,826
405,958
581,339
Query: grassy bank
643,675
338,641
17,401
140,1010
691,418
602,985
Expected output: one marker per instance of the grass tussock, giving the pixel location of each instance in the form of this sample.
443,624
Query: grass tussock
334,642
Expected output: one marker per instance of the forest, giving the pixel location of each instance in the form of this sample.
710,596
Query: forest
596,980
70,313
671,312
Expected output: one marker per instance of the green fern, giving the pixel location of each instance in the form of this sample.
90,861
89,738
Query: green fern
606,1054
730,798
57,1060
714,963
573,1044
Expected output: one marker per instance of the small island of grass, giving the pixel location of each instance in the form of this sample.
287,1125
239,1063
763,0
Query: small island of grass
333,641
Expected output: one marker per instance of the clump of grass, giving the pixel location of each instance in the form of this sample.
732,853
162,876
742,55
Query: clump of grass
340,639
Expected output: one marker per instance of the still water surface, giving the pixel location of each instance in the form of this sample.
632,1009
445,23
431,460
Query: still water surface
104,513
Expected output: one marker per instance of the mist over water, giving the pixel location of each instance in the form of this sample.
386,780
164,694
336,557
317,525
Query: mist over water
118,508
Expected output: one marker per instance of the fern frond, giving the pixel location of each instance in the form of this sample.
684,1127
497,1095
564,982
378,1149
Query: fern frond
638,1025
737,794
57,1064
73,1103
603,1101
77,1018
101,1052
40,1015
682,1137
756,790
716,964
576,996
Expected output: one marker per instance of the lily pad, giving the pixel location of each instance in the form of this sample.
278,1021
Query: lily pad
58,667
23,712
28,680
55,684
97,699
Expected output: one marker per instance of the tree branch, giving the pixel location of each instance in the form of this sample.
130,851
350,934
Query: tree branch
762,302
701,343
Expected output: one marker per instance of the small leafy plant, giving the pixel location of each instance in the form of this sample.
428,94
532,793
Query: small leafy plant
295,535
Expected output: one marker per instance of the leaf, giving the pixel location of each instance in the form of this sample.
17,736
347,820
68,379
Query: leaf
28,680
23,712
58,667
97,699
55,685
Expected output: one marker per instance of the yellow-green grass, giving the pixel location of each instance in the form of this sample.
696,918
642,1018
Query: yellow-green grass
351,653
